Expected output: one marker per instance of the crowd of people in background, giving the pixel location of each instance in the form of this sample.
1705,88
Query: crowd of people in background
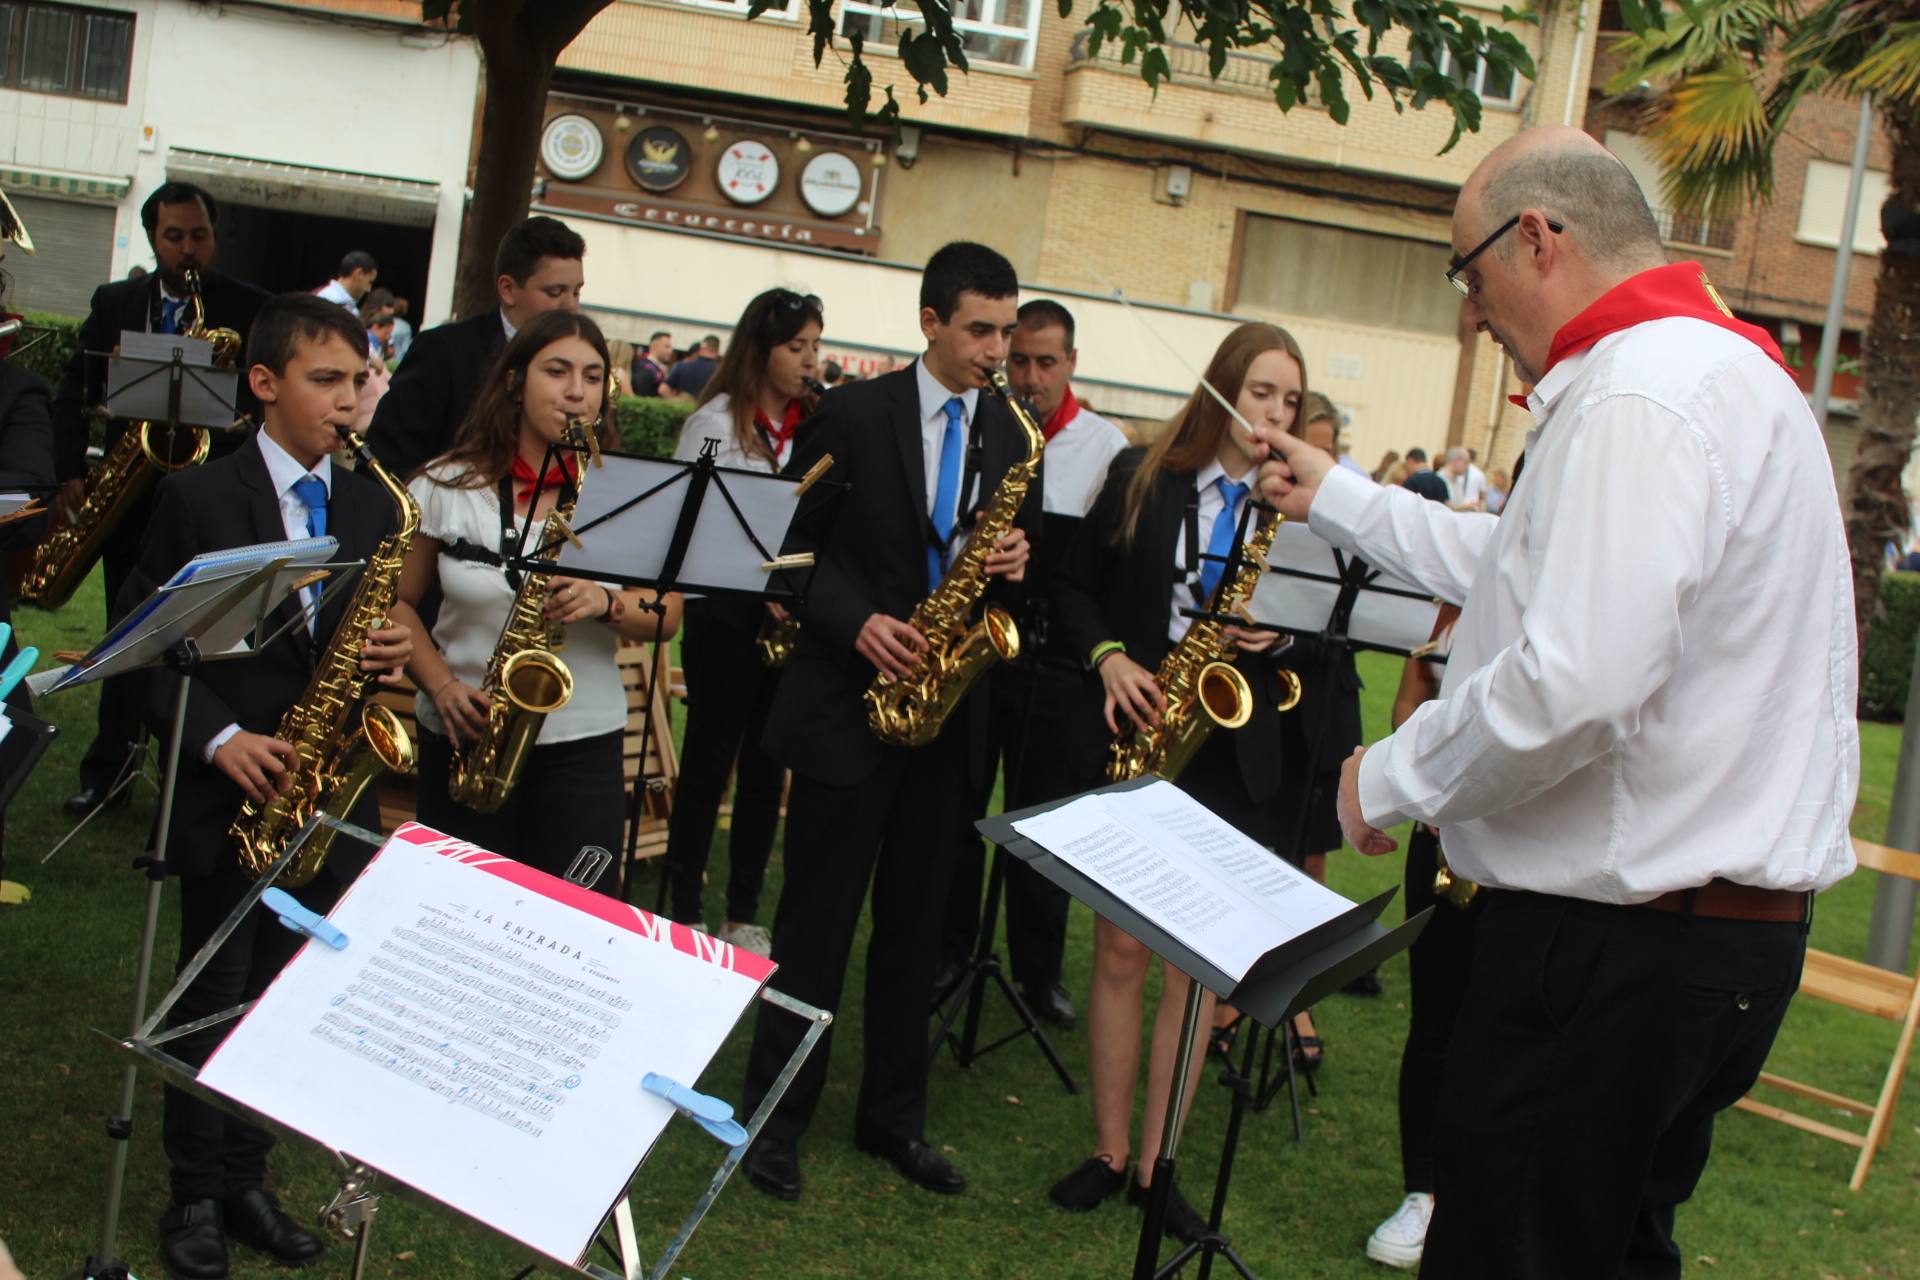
1461,483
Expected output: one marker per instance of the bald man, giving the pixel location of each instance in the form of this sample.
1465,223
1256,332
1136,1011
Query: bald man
1644,748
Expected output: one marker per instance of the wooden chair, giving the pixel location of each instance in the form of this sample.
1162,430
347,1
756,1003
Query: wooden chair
1866,989
662,766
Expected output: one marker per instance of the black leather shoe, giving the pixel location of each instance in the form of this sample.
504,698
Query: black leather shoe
946,980
87,799
254,1218
1051,1004
1184,1222
917,1162
192,1243
774,1167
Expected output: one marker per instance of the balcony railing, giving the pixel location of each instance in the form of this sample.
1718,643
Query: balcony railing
1684,228
1246,72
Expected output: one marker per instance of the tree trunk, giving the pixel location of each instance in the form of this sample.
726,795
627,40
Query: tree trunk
519,43
1877,509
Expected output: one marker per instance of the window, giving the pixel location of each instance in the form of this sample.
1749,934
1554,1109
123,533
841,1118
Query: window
57,48
1309,269
996,31
779,9
1823,203
1491,84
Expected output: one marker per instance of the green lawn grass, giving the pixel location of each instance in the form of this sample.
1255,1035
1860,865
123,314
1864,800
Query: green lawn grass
1773,1203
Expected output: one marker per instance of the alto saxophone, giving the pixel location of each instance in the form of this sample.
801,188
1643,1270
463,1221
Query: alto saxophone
116,485
1197,678
527,680
336,753
777,637
909,711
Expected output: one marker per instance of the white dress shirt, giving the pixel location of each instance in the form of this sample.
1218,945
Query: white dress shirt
1652,682
1076,463
933,434
335,292
714,420
1207,511
284,472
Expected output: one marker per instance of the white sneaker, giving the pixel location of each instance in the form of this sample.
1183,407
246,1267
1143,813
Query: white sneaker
748,937
1399,1240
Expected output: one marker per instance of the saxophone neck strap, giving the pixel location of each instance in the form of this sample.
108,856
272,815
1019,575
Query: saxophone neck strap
1188,570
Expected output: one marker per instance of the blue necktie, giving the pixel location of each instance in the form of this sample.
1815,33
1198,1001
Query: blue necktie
946,498
312,490
170,315
1221,543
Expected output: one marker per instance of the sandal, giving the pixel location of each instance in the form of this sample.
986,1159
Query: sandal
1309,1051
1220,1040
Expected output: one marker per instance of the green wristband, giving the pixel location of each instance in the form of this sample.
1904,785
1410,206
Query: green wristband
1101,650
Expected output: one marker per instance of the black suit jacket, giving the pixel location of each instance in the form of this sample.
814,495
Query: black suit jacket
230,502
433,389
870,546
1430,485
135,304
1114,591
26,464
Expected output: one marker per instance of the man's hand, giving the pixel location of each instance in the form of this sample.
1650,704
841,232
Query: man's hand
387,651
892,646
463,711
1008,559
1292,473
777,612
257,764
1366,839
1247,640
1131,690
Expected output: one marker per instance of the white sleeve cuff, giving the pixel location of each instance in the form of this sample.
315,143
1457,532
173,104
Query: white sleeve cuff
1378,805
218,741
1340,503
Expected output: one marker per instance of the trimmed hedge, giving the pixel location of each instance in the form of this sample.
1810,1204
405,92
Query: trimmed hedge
49,354
650,425
1886,667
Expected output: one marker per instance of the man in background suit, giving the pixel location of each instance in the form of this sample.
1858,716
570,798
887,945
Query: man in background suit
917,452
538,268
179,219
307,359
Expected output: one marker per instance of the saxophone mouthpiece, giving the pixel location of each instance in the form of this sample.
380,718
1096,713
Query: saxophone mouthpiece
814,386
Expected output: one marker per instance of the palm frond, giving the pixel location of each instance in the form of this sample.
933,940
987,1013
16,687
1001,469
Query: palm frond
1890,68
1714,140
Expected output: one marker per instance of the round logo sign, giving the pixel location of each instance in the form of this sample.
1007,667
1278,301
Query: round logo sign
659,159
830,184
748,171
572,147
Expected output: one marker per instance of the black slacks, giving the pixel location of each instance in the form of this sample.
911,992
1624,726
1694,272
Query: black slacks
1437,965
570,794
214,1155
729,691
1593,1049
1031,731
119,728
893,830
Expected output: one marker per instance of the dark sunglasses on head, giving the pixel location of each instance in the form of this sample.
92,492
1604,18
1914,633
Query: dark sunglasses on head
1462,287
797,302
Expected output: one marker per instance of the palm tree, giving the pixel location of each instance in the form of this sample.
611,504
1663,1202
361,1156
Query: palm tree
1727,76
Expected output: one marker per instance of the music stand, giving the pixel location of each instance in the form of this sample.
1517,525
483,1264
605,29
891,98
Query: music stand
169,378
351,1212
201,614
1287,978
648,523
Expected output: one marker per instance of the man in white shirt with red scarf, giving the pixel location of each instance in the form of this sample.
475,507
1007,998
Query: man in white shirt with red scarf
1644,749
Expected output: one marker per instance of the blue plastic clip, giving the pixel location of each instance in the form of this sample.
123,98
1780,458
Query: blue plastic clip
18,669
301,920
711,1114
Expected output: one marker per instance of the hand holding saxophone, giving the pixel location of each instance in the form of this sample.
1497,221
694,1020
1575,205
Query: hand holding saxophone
386,653
1250,641
1008,559
256,763
1132,691
463,710
894,648
571,600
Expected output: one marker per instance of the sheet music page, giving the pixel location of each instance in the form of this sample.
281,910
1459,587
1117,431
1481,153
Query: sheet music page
1192,873
1390,613
483,1036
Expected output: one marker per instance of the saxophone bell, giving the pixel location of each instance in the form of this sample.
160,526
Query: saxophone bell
1223,693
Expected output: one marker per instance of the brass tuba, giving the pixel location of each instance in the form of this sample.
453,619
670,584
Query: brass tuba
1197,678
336,753
908,712
118,483
527,680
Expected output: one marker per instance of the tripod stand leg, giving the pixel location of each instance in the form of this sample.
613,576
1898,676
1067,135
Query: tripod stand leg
1153,1225
1033,1029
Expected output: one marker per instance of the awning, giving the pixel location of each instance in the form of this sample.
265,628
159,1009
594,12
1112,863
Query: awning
306,189
64,183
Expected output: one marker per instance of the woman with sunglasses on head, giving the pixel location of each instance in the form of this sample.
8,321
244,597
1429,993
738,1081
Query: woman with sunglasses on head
475,501
750,409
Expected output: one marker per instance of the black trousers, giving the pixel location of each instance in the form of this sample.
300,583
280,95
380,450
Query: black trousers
892,830
1593,1049
214,1155
570,794
1437,967
1030,732
729,691
119,729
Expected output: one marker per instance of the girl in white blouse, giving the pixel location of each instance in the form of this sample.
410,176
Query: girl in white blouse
474,501
753,405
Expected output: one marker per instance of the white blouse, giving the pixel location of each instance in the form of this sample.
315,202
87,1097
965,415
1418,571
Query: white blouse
478,600
714,420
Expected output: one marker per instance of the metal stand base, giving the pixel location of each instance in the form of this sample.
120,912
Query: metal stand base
134,770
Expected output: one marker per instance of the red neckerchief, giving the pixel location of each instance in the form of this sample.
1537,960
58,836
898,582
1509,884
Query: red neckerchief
778,436
6,343
1678,289
559,473
1060,418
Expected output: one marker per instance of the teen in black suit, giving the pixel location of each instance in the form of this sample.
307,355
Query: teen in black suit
537,268
179,220
307,359
1135,563
861,810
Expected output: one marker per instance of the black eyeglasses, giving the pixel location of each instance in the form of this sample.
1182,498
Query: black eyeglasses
1465,289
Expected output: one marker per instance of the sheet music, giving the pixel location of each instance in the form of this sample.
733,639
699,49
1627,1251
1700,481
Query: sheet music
483,1036
1172,860
136,344
1391,613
